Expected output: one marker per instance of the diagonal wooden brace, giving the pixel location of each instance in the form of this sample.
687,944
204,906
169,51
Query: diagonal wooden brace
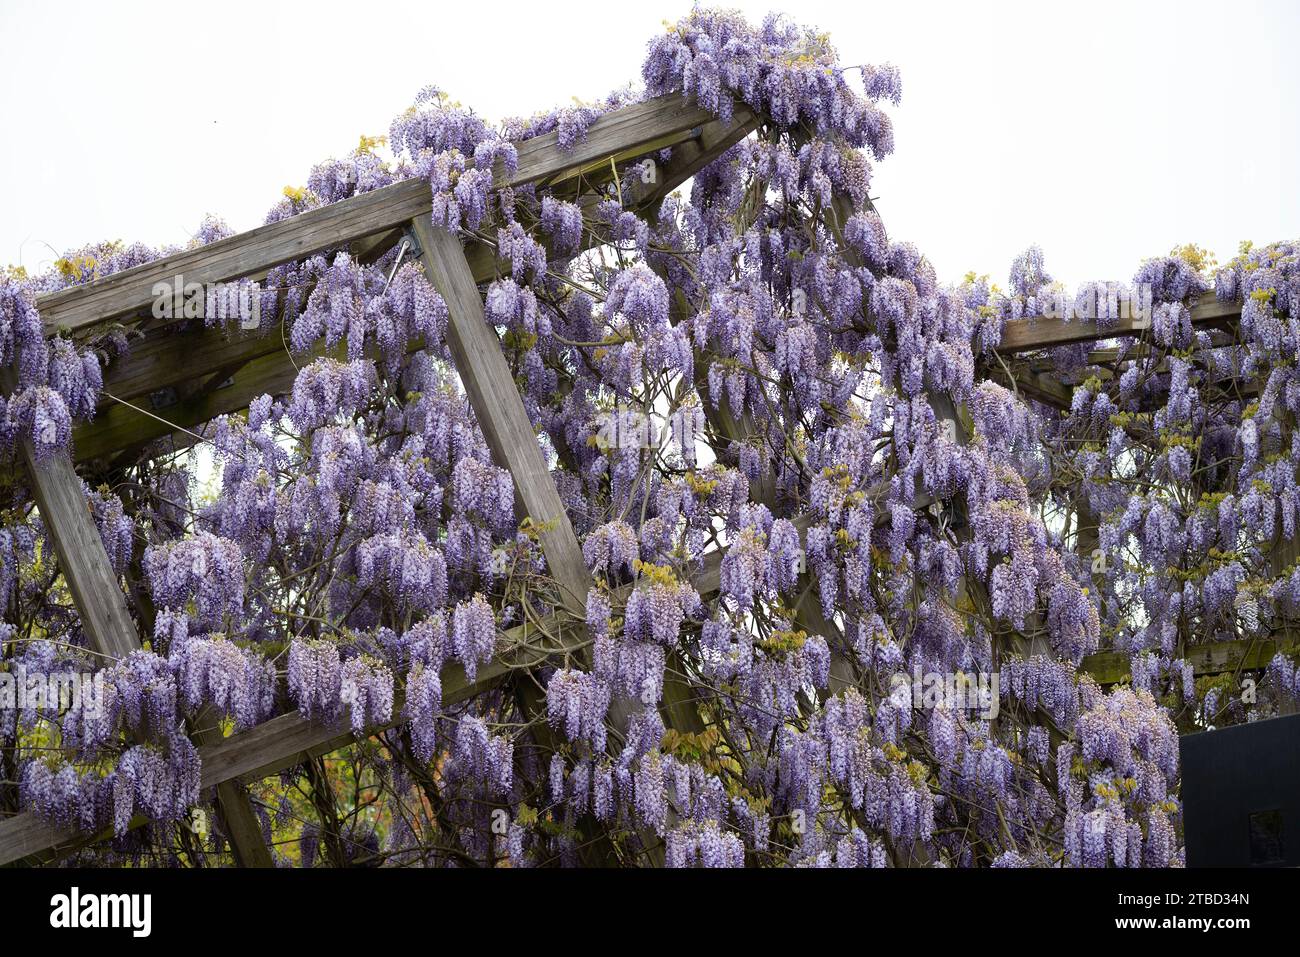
101,604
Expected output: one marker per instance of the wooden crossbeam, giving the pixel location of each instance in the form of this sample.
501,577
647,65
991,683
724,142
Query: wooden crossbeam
122,428
244,758
504,421
1036,385
164,359
1040,385
129,292
167,356
1211,658
1026,335
691,156
288,740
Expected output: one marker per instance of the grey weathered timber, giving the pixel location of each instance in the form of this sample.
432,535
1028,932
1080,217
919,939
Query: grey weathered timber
1211,658
100,601
504,422
130,292
247,842
500,413
242,826
164,358
95,589
120,428
618,135
1036,385
499,410
1024,335
167,357
169,354
692,155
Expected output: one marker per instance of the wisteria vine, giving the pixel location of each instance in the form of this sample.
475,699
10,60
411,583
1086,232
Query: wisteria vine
799,470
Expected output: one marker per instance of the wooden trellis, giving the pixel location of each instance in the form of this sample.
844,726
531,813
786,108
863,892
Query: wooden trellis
171,383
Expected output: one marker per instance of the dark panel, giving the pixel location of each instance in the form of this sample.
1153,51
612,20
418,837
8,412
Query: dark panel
1241,795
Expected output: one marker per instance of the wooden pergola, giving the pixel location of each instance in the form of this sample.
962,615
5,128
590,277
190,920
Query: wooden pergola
173,382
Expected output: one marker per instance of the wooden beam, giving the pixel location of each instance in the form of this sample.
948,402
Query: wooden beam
101,603
1211,658
1043,387
499,410
165,358
130,427
1035,385
486,376
242,826
244,758
1024,335
621,134
170,354
131,291
501,416
95,589
691,156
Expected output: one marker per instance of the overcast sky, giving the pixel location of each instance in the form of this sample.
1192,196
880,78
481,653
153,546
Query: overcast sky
1105,132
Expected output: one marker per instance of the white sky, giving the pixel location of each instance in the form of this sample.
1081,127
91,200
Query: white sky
1105,132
